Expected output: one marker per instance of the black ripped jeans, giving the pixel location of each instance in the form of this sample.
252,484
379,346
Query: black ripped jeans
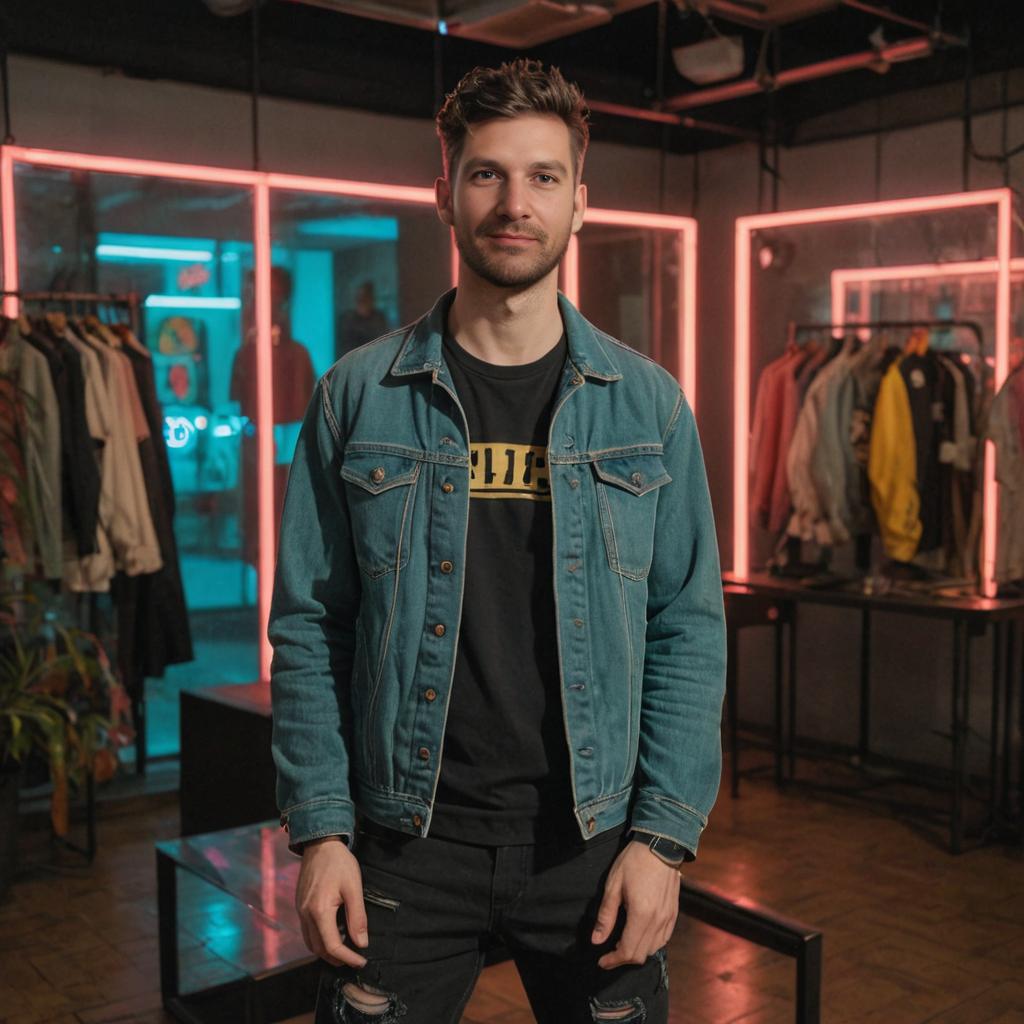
434,908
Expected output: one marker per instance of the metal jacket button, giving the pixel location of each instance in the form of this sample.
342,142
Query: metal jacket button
377,474
430,694
590,824
446,566
574,483
424,754
417,820
637,478
447,488
439,629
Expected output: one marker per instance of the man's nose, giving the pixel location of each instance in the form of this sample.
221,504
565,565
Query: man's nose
514,202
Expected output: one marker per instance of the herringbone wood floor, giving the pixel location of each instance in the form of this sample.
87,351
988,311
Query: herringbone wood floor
911,933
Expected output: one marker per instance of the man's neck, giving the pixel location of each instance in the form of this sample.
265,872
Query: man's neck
504,326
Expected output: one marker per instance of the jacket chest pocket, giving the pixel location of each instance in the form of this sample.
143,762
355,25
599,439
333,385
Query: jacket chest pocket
381,491
627,502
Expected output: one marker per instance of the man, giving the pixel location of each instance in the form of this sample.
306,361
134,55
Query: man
363,323
497,619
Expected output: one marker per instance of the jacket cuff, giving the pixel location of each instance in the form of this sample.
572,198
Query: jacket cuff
315,819
660,816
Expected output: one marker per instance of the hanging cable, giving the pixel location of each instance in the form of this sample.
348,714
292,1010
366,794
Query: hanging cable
878,149
695,185
659,86
255,60
6,82
970,151
439,35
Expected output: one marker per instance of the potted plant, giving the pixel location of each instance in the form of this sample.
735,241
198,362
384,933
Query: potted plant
58,699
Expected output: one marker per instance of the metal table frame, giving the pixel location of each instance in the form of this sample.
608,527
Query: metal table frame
774,602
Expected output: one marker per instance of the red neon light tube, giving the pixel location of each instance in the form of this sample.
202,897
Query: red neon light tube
265,455
8,227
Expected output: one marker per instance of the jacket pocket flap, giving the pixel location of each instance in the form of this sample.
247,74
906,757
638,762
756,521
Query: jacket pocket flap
637,474
379,471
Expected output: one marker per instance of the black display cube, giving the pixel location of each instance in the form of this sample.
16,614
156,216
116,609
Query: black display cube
227,772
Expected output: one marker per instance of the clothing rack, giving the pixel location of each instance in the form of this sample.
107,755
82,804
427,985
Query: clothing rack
128,301
971,325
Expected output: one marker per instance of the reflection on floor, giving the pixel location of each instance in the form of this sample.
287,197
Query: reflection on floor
911,933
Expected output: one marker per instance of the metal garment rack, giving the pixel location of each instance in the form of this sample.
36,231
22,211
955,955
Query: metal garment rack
128,301
879,325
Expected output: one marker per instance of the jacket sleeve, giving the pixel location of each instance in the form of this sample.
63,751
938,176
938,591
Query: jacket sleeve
312,630
680,755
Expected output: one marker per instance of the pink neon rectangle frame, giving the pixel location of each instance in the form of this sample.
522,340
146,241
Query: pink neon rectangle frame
1002,199
842,278
262,184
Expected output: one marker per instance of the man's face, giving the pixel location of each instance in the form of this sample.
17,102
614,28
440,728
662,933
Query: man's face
513,203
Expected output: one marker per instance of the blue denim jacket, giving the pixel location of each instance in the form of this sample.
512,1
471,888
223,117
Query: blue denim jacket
365,623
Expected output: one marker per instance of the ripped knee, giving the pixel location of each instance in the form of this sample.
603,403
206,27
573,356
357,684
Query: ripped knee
630,1011
361,1003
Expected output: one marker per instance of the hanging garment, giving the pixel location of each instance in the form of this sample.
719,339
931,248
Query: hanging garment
132,534
781,504
92,573
79,472
15,524
1004,430
42,448
923,382
153,624
766,427
957,454
834,468
808,521
892,468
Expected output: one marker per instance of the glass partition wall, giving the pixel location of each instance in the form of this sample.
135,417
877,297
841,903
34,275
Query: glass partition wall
936,268
247,287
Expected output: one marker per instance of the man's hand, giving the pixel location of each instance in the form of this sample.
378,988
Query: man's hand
330,878
649,890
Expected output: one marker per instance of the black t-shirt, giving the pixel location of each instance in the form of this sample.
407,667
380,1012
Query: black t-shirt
505,766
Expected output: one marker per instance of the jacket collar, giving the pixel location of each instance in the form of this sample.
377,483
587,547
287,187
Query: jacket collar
421,351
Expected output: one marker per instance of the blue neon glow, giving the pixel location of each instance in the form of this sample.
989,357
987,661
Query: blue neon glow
442,27
191,302
382,229
108,251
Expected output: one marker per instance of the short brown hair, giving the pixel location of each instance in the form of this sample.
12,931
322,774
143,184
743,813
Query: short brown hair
521,86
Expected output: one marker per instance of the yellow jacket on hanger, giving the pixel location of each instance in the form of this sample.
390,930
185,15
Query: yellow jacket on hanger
892,469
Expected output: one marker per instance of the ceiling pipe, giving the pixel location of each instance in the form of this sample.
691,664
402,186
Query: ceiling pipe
665,117
911,49
933,31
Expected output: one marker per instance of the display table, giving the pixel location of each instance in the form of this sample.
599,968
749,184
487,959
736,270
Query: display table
240,913
773,601
245,914
227,772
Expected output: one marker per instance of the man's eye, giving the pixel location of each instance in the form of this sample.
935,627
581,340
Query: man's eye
477,174
545,179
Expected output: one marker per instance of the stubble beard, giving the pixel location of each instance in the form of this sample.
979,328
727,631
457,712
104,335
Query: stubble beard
514,271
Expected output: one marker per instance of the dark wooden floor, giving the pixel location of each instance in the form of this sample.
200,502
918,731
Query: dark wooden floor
912,934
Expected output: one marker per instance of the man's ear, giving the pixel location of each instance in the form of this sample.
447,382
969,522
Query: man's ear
579,207
443,200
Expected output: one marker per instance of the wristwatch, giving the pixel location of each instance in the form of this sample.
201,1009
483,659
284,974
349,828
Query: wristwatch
671,852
